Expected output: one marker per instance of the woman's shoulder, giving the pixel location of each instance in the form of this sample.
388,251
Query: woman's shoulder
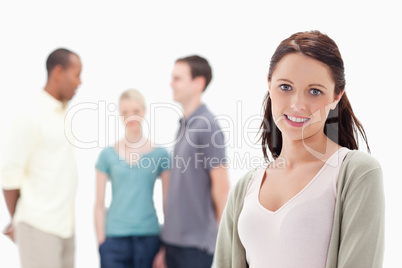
107,152
242,184
361,161
160,150
357,167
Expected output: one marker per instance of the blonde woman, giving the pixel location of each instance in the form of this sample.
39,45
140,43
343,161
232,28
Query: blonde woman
128,232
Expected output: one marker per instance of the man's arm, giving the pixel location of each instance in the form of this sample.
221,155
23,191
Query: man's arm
16,153
165,177
219,189
11,198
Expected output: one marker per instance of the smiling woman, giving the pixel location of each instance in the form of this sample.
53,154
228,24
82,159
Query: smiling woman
303,98
325,206
313,59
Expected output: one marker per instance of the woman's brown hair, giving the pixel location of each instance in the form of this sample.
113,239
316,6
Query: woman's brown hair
341,126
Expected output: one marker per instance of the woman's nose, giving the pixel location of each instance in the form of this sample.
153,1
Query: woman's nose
298,102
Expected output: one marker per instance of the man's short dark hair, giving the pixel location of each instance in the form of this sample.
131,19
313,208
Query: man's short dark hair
199,67
60,56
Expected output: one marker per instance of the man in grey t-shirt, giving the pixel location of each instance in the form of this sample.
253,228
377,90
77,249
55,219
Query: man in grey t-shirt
199,182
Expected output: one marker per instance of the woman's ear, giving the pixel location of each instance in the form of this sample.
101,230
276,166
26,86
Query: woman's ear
337,99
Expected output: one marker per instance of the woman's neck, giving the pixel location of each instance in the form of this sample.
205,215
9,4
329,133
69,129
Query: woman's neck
134,137
317,148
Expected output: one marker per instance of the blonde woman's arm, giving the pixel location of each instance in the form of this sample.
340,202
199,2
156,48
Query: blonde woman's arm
100,210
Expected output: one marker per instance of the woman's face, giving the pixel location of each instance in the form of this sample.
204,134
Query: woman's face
302,94
132,113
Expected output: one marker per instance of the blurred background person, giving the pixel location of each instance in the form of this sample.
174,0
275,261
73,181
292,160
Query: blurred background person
199,182
128,232
39,175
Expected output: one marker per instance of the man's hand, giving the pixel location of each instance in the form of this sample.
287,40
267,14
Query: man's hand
159,260
9,231
11,197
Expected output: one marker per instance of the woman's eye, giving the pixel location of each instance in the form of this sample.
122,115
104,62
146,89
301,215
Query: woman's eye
285,87
315,92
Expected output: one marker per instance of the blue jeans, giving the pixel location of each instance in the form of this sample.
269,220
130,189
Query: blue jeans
184,257
129,251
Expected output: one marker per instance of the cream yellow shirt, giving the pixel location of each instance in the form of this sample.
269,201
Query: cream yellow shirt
39,160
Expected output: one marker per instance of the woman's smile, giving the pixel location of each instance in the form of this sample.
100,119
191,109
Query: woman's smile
296,121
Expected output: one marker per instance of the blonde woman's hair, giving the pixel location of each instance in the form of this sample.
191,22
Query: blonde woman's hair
133,94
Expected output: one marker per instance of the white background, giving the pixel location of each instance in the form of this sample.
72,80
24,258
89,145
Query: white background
126,44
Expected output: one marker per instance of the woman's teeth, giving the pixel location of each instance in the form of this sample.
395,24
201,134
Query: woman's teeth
296,119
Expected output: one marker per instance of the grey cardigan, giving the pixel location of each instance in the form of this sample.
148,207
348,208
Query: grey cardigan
357,239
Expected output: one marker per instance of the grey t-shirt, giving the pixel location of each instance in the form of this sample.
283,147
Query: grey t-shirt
190,219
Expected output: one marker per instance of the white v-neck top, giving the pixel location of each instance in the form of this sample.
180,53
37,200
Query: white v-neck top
298,233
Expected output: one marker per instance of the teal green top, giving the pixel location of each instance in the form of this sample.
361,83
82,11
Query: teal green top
357,239
132,210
